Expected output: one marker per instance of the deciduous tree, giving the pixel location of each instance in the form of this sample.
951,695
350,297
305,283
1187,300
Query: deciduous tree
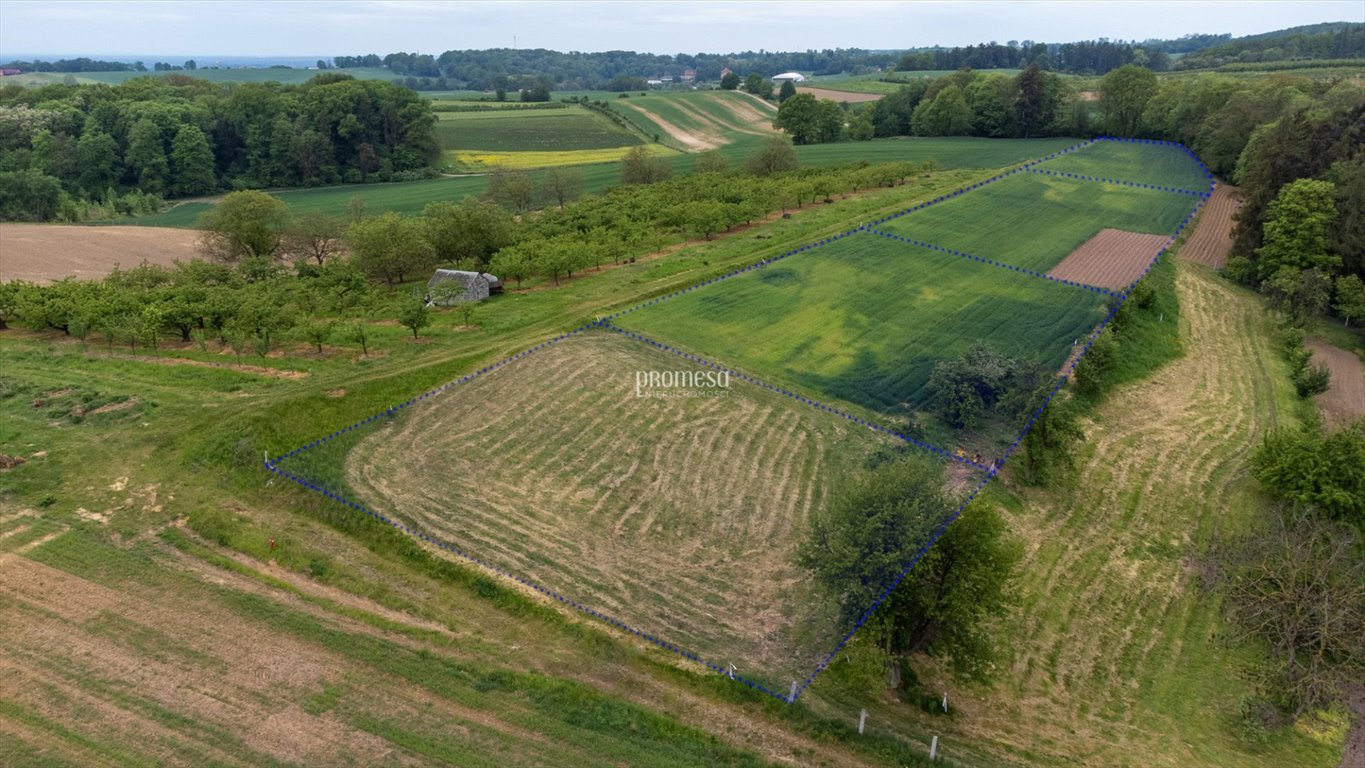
247,224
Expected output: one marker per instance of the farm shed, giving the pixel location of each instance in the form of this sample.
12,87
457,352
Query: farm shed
795,77
464,286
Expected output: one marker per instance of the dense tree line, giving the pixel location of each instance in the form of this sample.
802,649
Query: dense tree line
966,103
81,64
511,69
62,146
1346,41
1088,57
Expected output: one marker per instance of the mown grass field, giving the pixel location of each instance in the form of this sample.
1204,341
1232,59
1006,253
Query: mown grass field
865,319
1033,220
530,130
1155,164
677,510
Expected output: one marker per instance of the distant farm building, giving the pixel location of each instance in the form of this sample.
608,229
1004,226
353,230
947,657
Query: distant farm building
7,72
448,286
689,75
795,77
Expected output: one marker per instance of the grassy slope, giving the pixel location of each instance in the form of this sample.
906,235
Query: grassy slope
1117,656
634,505
866,318
1033,220
455,656
410,197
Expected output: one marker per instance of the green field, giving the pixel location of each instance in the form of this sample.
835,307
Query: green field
411,196
1156,164
865,319
242,75
1033,221
881,82
513,130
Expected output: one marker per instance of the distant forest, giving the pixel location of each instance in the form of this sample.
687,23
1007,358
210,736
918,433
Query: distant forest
516,69
67,148
511,69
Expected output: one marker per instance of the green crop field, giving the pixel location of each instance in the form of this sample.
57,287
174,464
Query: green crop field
1156,164
1032,220
513,130
865,319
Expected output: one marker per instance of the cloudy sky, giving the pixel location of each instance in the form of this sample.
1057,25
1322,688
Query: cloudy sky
302,28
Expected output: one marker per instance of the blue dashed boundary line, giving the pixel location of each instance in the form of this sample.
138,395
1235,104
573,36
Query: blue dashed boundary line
990,472
1000,465
862,228
1120,182
937,451
992,262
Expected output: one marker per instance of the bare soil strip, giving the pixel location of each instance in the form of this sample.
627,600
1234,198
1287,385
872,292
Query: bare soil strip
848,96
693,142
1344,400
1212,237
44,253
1111,259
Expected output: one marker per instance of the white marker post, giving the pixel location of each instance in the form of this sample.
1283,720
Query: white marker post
862,721
945,701
732,671
933,749
791,698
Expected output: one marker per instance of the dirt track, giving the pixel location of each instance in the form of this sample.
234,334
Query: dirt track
848,96
43,253
1212,238
1344,401
1111,259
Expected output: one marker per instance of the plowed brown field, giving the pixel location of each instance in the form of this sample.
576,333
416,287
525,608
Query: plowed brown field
1111,259
1212,238
1344,401
42,253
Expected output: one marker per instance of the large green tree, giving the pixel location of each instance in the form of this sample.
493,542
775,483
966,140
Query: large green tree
467,233
876,527
947,114
390,247
1124,94
146,157
1296,229
97,158
191,163
247,224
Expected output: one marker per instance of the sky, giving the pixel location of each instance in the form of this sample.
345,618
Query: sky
309,28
